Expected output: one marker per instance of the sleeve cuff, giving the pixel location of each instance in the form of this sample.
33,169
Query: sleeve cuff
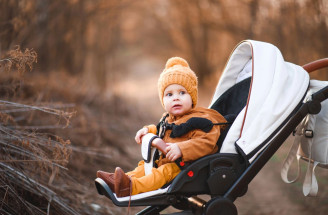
151,129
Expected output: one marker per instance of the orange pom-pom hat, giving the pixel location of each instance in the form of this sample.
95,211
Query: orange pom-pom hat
177,71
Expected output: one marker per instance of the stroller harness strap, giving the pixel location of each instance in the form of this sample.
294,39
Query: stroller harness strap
193,123
150,154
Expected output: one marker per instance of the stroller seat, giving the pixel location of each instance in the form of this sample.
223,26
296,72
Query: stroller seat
264,109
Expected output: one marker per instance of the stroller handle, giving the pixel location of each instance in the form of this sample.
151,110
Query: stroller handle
315,65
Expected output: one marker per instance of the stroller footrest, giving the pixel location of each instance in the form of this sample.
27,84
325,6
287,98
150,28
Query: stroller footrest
156,197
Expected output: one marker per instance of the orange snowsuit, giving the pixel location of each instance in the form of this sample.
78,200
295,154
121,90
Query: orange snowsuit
193,145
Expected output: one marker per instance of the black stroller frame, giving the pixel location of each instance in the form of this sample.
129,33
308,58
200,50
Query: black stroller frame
223,176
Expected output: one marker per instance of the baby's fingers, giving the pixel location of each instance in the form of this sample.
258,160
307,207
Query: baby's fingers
167,150
140,134
138,137
171,156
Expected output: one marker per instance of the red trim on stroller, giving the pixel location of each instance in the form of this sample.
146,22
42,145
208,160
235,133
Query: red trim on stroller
249,94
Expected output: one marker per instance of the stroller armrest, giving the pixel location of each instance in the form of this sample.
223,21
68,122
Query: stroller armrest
212,174
146,149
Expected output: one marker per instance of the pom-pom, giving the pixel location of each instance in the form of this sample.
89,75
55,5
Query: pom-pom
176,61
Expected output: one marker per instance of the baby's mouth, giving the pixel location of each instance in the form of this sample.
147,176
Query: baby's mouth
176,106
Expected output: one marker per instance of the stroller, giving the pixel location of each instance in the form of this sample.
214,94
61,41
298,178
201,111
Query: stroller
263,97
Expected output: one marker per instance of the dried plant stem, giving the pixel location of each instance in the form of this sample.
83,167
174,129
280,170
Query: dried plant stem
50,161
35,187
66,115
4,197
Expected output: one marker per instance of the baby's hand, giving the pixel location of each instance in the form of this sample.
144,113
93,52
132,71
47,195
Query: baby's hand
173,151
140,134
159,144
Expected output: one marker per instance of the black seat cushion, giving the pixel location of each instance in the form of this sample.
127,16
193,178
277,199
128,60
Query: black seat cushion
234,99
230,103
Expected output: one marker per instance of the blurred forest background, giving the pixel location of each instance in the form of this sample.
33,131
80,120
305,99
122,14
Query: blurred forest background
79,77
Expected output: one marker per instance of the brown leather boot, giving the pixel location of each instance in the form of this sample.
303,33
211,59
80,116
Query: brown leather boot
108,178
122,183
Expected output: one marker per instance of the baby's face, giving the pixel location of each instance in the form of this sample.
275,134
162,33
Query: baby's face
177,100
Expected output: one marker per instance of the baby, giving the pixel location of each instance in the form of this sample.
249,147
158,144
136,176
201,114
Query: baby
185,139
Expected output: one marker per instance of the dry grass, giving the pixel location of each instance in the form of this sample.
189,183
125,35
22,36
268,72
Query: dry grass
29,160
54,135
19,61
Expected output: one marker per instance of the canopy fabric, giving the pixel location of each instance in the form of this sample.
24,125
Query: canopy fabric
277,87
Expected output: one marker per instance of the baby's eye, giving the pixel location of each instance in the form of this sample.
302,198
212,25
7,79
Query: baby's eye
182,92
168,94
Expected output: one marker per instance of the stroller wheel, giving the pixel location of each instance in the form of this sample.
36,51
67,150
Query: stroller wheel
220,206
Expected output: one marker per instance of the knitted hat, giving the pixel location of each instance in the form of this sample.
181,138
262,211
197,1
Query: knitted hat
177,71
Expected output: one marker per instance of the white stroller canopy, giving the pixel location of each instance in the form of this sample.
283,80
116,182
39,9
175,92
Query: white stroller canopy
277,87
